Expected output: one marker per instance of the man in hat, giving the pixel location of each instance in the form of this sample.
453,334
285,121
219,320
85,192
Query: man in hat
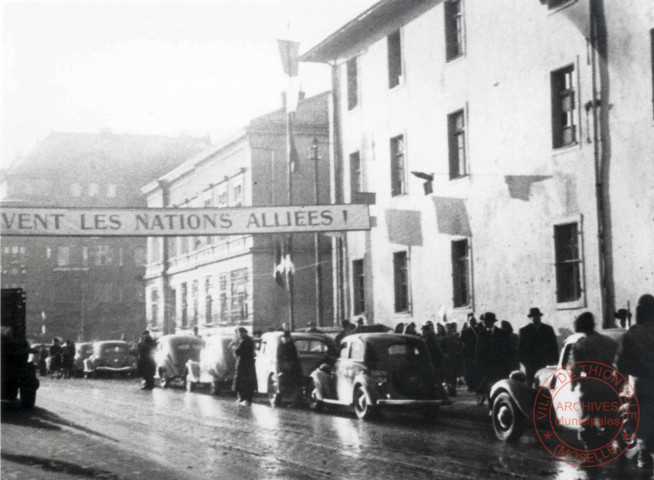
635,358
245,379
492,355
145,364
537,345
289,369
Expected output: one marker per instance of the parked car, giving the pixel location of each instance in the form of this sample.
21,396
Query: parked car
215,366
379,370
82,351
512,399
313,350
111,356
172,354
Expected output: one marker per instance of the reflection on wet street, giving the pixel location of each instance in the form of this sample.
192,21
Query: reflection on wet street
195,435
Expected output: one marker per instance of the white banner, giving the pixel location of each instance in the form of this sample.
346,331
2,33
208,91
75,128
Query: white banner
151,222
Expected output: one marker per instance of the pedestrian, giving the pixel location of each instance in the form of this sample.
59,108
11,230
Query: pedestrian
636,359
513,342
451,348
67,357
289,369
145,365
245,378
43,353
410,329
624,317
491,355
598,348
435,354
360,322
537,345
399,328
311,328
348,328
468,340
56,358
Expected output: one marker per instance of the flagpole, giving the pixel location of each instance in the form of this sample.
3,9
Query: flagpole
289,278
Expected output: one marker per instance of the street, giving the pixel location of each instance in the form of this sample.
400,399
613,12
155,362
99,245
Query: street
110,429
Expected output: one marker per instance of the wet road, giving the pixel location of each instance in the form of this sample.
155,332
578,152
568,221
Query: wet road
111,429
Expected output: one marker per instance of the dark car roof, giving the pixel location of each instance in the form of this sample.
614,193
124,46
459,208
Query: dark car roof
105,343
300,336
383,337
175,339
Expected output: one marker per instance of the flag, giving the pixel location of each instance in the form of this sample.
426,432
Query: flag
278,273
452,216
404,227
520,185
289,268
290,54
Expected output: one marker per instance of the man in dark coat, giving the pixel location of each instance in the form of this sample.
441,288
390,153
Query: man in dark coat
537,345
636,359
145,363
245,380
492,355
289,369
469,335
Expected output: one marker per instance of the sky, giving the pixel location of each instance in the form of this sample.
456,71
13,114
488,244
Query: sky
152,66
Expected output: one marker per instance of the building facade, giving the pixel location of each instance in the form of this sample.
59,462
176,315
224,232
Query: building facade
508,145
215,283
85,288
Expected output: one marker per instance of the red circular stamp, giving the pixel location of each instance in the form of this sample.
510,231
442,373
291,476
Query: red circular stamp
593,400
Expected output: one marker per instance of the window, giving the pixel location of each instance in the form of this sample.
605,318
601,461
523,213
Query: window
111,190
567,262
76,190
398,174
394,59
102,255
224,306
154,305
358,282
238,284
222,198
194,300
184,305
238,195
208,300
401,280
564,131
352,83
63,256
94,188
461,273
453,29
356,177
456,132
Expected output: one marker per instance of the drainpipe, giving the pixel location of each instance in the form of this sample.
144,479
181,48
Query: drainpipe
602,158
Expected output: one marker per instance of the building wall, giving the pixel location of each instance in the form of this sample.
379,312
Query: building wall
502,82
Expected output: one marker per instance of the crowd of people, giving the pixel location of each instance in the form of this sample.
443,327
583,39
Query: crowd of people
61,359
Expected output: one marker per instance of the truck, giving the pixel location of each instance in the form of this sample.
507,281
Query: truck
18,373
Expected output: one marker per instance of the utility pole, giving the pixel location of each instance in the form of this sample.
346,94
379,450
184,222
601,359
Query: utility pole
316,236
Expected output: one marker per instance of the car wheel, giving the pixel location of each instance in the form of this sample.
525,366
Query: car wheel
274,397
27,397
215,388
508,420
312,397
363,409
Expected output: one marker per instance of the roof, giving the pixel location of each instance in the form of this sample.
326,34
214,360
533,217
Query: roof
106,155
367,27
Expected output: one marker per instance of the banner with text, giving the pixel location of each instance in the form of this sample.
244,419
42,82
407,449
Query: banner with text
101,222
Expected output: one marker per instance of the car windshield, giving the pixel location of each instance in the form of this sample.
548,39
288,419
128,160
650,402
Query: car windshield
398,351
185,347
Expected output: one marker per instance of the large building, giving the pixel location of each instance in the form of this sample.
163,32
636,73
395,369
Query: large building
214,283
85,288
509,145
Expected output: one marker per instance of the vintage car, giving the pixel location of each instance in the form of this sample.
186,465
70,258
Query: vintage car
512,399
109,357
379,370
215,366
172,354
82,351
313,350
